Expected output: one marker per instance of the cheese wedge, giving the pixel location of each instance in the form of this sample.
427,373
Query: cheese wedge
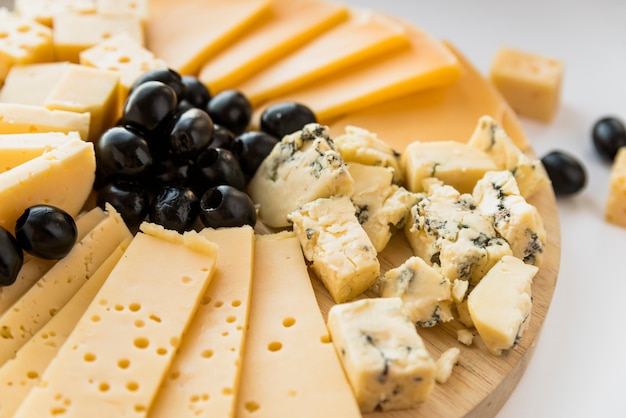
292,24
43,300
441,114
30,84
365,35
35,268
115,358
18,119
205,375
23,371
290,368
222,21
423,64
16,149
62,177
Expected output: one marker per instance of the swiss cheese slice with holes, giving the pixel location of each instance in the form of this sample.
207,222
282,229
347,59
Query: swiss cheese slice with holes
117,355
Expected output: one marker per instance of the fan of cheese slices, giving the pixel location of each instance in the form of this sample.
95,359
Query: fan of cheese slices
408,243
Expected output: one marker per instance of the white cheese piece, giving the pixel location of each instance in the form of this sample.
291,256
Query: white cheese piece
459,290
23,371
383,356
16,149
120,350
18,118
44,299
445,363
136,8
290,368
340,251
204,377
302,167
500,305
492,139
513,217
44,11
426,294
465,336
30,84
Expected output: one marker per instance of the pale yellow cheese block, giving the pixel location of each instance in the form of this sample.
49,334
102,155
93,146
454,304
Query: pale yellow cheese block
292,24
62,177
615,205
30,84
34,268
423,64
22,372
19,118
44,11
205,374
115,358
365,35
16,149
216,24
290,368
136,8
44,299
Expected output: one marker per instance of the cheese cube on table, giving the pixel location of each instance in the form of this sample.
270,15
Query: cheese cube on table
31,84
341,253
383,356
615,207
529,82
44,11
18,119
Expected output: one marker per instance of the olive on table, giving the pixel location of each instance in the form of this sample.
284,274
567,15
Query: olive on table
11,258
225,206
232,109
609,135
46,231
175,207
251,148
286,118
567,174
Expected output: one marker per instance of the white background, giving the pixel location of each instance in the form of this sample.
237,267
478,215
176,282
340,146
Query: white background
579,365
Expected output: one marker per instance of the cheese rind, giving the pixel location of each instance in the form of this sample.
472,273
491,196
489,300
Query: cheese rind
383,356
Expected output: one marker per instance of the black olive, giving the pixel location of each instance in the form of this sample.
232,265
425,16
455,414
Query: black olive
225,206
567,174
609,135
165,75
46,232
222,137
169,171
217,166
285,118
175,207
251,148
11,258
196,92
121,151
129,199
230,108
191,133
150,106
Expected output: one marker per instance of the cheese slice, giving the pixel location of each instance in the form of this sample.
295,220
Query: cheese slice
35,268
115,358
423,64
23,371
290,368
44,11
62,177
19,118
205,375
365,35
292,24
30,84
16,149
441,114
43,300
221,21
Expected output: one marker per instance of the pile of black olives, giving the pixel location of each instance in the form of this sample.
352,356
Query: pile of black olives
43,231
180,155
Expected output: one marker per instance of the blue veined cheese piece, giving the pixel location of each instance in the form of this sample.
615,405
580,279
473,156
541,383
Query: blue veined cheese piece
383,356
382,207
493,140
447,229
516,220
340,251
302,167
425,292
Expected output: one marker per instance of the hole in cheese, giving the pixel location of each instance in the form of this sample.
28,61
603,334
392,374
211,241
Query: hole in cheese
139,323
32,374
104,387
325,339
155,318
219,304
123,363
24,28
123,59
275,346
288,322
227,391
186,280
236,303
231,319
132,386
161,351
141,342
95,318
207,353
119,308
4,35
89,357
252,406
140,408
134,307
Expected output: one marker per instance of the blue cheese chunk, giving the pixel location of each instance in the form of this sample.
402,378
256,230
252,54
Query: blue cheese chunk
302,167
340,251
516,220
426,294
382,354
382,207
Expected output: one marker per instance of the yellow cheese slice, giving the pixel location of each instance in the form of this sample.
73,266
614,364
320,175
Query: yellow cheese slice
35,268
22,372
291,25
290,368
204,377
62,177
19,118
446,113
365,35
216,24
30,84
44,299
16,149
423,64
115,358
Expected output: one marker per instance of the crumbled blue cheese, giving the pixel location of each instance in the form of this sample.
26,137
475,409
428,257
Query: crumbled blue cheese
446,361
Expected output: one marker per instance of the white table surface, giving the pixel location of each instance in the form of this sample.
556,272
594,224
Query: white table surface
579,366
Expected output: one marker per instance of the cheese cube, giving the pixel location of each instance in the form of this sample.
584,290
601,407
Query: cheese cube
615,207
23,41
340,251
75,32
136,8
302,167
500,305
383,356
454,163
426,294
31,84
44,11
529,82
16,149
18,118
